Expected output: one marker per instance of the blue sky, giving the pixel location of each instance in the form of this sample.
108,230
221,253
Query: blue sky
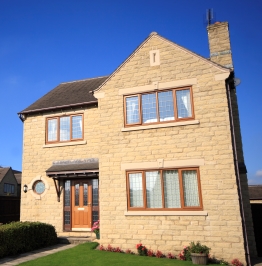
44,43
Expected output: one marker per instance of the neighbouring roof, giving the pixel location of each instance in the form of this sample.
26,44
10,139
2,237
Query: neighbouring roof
75,93
3,171
18,177
255,192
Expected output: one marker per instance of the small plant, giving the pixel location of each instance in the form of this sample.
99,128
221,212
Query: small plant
118,249
110,248
236,262
159,254
185,254
223,262
142,250
101,247
96,227
198,248
128,251
150,253
170,256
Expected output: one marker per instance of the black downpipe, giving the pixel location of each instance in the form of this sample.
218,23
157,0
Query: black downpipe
247,254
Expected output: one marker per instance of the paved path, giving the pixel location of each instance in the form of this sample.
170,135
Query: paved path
15,260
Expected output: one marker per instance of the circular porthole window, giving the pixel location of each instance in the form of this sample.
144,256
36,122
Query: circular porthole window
39,187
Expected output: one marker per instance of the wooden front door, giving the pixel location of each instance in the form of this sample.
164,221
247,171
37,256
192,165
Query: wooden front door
81,204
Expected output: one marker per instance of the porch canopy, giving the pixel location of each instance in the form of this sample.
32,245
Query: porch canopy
72,169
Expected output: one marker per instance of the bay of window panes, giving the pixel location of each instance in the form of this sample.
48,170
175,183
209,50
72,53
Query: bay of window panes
158,107
77,127
164,189
52,130
149,108
132,110
65,128
183,103
135,190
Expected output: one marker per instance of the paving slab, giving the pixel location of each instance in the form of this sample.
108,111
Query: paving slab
32,255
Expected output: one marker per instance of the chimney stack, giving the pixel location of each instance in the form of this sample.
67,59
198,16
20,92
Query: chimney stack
219,44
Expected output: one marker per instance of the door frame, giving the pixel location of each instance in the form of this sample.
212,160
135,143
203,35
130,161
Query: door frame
67,203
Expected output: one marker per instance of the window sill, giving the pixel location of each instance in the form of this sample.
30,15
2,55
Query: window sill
72,143
174,124
165,213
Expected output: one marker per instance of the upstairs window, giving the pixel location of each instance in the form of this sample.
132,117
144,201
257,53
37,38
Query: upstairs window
9,188
158,107
169,189
64,128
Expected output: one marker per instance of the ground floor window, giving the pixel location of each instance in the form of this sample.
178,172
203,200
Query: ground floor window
168,189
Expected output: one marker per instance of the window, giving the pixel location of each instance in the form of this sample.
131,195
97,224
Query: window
9,188
170,189
39,187
65,128
157,107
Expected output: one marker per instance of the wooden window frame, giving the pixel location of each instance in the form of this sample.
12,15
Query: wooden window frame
58,129
176,119
183,207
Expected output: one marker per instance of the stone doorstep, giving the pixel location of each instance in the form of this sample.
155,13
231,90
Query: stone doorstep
75,239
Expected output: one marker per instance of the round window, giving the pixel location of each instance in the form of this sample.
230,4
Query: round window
39,187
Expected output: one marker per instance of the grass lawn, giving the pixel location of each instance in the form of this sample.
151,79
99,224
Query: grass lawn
85,254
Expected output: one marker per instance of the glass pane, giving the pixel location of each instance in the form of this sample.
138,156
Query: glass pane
77,127
95,216
132,113
149,108
190,186
52,130
136,190
171,188
166,106
85,194
153,190
76,194
183,103
95,192
67,217
64,128
67,193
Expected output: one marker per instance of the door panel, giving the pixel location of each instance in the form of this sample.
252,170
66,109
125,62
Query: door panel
81,203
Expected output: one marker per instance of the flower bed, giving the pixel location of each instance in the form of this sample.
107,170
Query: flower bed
185,254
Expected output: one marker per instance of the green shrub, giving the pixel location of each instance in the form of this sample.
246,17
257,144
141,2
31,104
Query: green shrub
18,237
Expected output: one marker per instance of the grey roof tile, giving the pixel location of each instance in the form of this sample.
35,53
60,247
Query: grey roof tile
67,94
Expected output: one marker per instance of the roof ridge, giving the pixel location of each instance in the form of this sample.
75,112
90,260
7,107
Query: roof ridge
83,79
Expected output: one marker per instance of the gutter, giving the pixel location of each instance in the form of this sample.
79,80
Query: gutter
242,212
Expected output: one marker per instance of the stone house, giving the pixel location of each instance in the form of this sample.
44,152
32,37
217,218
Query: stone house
153,150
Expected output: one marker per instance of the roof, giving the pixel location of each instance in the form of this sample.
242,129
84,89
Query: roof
75,93
3,171
255,192
74,166
18,178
